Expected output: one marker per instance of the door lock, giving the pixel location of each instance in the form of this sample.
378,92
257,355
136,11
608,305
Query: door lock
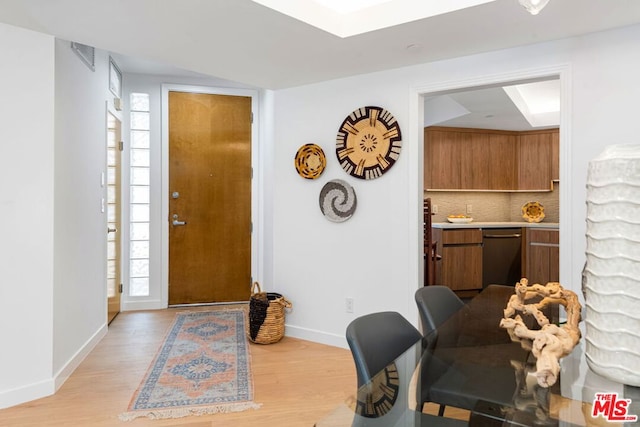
175,221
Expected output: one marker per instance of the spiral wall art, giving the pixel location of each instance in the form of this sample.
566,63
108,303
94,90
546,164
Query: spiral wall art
337,200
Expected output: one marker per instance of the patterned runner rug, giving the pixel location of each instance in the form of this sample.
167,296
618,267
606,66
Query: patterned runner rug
203,367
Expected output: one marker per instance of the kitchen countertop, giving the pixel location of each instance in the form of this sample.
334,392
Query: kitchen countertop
506,224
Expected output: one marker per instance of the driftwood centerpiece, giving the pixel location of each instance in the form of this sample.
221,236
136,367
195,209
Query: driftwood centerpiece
551,342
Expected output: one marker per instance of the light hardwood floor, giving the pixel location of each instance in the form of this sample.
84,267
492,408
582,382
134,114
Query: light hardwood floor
297,382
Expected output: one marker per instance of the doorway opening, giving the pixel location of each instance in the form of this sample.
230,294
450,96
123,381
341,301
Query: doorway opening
473,90
113,181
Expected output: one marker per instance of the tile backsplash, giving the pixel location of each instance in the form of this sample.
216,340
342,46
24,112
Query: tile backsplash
493,206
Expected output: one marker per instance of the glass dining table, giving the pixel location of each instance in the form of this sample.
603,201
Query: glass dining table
470,362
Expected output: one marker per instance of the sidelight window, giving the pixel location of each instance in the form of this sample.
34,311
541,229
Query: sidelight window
139,198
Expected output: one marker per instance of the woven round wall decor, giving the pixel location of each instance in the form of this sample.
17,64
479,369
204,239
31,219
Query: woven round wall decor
368,142
337,201
533,212
310,161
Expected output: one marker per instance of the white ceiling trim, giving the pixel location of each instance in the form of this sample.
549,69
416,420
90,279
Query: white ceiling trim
345,20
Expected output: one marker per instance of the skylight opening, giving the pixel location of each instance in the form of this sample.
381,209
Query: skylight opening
349,6
538,102
346,18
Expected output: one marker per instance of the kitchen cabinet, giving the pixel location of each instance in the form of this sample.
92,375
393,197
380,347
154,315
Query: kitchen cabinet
535,170
461,264
542,258
503,166
483,159
443,151
458,158
555,156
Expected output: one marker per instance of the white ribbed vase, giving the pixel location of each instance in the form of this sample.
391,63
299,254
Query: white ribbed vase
612,273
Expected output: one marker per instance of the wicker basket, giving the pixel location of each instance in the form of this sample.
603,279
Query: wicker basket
265,323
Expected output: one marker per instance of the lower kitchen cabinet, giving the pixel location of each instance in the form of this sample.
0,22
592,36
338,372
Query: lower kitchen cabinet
461,249
461,264
542,255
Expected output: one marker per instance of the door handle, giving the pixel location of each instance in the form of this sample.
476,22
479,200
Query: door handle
111,230
175,221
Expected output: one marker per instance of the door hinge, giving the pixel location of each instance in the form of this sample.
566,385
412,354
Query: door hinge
252,117
121,145
121,287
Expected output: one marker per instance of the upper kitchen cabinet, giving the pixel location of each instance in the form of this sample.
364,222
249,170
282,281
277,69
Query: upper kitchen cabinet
536,164
459,159
555,155
481,159
443,153
503,165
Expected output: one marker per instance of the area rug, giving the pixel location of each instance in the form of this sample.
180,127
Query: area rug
203,367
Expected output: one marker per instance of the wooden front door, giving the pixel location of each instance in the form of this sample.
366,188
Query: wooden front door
209,198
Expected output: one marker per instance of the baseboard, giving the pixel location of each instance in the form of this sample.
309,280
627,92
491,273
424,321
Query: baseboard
49,386
27,393
314,335
65,372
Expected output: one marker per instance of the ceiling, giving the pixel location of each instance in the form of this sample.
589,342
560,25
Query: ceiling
245,42
481,108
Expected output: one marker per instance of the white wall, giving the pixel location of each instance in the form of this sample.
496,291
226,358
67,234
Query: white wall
26,214
318,263
606,71
53,246
374,257
80,310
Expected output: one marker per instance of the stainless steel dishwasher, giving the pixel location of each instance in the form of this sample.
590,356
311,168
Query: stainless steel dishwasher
501,256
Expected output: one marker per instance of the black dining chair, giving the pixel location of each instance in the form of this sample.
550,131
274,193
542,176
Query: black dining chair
436,304
377,339
447,380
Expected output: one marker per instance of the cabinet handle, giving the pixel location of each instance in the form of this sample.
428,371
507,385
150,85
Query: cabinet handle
501,236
